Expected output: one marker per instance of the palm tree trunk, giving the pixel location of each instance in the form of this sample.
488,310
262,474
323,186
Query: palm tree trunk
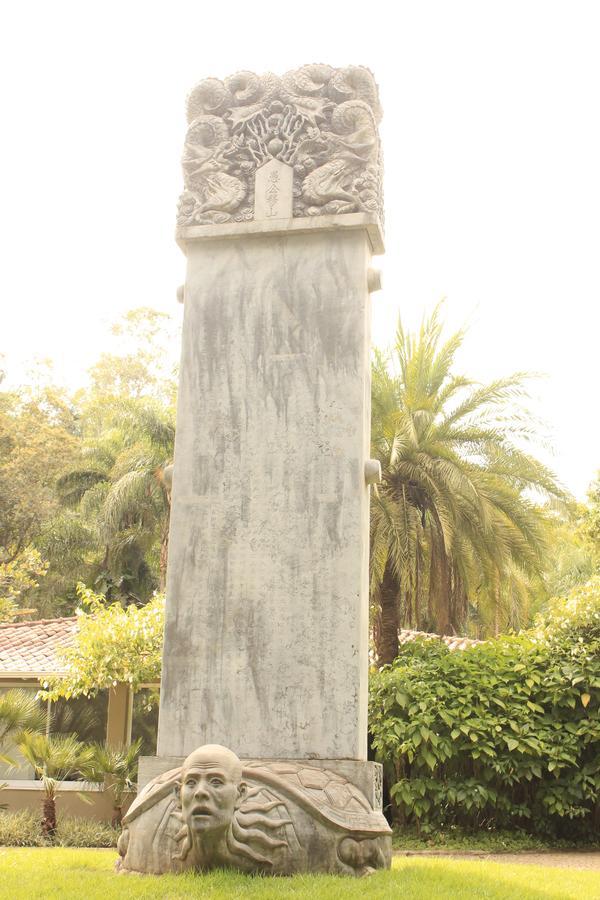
117,817
164,542
163,559
387,637
49,816
440,587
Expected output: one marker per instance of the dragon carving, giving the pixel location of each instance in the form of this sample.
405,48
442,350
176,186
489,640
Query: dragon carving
319,120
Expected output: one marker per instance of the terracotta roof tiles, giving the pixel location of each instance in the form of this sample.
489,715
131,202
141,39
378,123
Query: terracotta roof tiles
453,641
29,648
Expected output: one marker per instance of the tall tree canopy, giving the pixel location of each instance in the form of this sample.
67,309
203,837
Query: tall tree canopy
457,530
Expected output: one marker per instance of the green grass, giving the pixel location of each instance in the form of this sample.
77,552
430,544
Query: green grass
490,841
65,874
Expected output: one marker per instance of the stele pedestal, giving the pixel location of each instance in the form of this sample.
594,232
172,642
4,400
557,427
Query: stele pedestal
262,747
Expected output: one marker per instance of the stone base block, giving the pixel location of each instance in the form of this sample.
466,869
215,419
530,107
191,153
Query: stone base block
270,816
366,775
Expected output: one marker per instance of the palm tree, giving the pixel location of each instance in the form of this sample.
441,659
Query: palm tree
20,712
54,758
121,491
454,525
118,766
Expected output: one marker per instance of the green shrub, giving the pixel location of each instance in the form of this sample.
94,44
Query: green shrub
23,829
20,829
503,734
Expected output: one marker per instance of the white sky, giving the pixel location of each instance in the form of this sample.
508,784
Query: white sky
492,150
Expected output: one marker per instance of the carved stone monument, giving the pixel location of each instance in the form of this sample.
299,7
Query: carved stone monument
266,645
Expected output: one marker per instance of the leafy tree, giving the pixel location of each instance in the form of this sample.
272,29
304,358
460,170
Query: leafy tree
454,527
16,578
38,438
146,365
591,524
111,645
55,758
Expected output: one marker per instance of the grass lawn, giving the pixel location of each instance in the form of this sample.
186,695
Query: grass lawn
61,873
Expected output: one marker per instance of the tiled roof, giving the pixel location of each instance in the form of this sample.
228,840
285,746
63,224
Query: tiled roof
29,648
453,641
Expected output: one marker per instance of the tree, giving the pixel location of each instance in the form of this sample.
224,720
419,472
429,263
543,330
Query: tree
55,758
454,527
38,438
111,645
117,497
19,712
118,766
17,577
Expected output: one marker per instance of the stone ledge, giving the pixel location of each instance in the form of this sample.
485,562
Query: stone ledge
366,775
274,227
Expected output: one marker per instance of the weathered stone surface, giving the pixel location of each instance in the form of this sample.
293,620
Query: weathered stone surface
319,121
365,775
267,596
267,610
273,191
275,818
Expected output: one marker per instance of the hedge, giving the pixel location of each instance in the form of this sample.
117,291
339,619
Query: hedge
503,734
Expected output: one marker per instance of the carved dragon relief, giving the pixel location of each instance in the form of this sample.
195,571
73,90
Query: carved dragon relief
319,120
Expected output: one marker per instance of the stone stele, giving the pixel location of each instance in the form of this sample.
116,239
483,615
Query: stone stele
266,643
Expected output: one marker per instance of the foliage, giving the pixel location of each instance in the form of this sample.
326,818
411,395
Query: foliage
504,734
573,559
54,758
488,840
37,440
82,477
592,516
18,576
22,829
19,712
116,498
66,874
454,527
118,766
112,645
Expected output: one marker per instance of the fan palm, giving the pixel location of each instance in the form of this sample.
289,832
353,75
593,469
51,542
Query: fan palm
20,712
118,766
454,522
54,758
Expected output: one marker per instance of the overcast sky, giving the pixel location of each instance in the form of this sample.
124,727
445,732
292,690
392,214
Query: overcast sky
492,179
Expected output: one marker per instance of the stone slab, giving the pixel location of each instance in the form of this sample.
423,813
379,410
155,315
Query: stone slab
300,225
266,641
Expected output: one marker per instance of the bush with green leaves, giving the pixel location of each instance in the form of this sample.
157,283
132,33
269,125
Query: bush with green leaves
504,734
23,829
112,644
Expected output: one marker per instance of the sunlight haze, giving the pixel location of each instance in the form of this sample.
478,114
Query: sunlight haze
492,176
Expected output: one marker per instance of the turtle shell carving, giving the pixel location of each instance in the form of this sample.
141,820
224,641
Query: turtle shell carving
215,811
